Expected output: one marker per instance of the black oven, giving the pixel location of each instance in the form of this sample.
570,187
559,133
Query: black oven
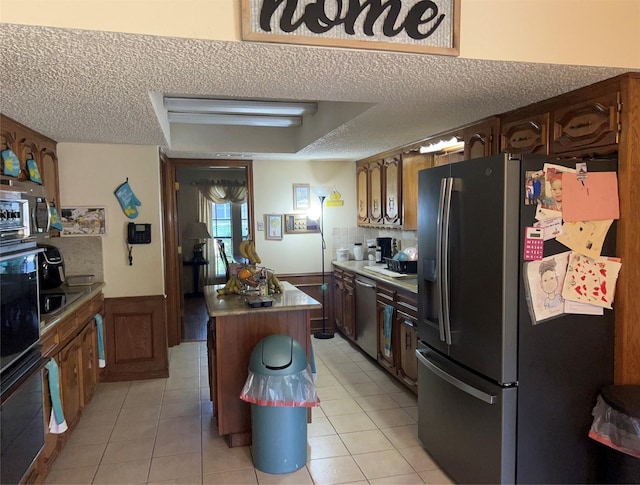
19,303
22,424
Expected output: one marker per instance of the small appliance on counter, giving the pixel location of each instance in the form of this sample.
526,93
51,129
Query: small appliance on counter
384,243
50,267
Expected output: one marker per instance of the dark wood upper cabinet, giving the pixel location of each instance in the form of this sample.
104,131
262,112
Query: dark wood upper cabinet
392,190
480,139
526,135
590,126
362,186
375,192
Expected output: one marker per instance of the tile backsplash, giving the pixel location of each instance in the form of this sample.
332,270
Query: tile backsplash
345,237
82,255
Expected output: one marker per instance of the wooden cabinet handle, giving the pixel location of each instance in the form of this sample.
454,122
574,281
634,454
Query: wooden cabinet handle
580,125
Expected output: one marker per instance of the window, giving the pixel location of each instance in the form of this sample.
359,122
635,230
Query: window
230,223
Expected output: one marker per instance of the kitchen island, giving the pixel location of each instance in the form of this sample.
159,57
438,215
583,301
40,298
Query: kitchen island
233,330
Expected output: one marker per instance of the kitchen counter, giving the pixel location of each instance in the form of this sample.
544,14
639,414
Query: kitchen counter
408,282
76,295
290,299
233,331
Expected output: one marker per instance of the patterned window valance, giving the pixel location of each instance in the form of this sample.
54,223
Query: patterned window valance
223,191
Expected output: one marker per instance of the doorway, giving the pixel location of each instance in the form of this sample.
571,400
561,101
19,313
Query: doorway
186,316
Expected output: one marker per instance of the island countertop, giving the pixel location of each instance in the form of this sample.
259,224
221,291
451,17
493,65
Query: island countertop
291,298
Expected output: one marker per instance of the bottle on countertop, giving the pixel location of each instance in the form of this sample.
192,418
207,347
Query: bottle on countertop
358,252
378,254
263,287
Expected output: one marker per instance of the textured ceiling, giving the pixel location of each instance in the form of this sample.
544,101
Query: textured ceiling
96,87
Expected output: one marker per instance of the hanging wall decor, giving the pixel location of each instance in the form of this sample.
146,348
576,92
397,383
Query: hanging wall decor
418,26
127,199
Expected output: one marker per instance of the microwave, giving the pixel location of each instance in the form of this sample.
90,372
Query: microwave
24,211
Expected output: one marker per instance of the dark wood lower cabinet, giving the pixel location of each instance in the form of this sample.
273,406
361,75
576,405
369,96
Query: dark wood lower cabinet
136,338
399,359
72,342
230,342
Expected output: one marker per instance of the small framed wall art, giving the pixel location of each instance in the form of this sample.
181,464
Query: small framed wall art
273,226
83,221
299,224
301,197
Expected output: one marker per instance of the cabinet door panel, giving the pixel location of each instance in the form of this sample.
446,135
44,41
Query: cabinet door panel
408,366
362,188
70,384
49,172
89,362
480,139
526,136
375,192
392,190
592,123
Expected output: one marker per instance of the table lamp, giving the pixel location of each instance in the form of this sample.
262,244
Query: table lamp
197,231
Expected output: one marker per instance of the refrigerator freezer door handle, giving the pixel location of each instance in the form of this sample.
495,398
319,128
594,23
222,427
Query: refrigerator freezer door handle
439,262
454,381
446,323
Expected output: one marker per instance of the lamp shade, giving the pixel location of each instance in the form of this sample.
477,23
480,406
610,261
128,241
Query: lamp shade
196,230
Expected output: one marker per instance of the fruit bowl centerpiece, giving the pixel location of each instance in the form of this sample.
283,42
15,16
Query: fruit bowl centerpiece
245,278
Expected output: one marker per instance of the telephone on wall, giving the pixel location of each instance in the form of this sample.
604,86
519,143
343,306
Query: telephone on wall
138,233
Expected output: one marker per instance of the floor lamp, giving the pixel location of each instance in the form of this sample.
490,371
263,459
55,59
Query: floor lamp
324,334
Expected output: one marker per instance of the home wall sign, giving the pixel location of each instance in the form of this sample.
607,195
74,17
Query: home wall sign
421,26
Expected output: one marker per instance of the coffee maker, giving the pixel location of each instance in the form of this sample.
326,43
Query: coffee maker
51,267
384,243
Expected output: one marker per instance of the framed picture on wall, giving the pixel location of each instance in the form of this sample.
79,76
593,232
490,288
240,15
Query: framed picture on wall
273,226
83,221
301,197
299,224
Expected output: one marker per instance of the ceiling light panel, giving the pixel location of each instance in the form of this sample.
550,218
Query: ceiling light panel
232,106
237,120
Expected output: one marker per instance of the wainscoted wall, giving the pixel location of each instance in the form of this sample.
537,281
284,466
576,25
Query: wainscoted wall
82,255
136,338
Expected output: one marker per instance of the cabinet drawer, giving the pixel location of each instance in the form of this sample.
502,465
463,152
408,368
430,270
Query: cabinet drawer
67,328
85,312
97,304
408,303
48,342
348,278
384,294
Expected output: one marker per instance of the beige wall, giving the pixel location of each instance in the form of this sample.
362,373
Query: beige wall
89,174
273,181
583,32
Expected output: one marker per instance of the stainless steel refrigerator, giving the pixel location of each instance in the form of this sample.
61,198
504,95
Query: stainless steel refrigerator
501,400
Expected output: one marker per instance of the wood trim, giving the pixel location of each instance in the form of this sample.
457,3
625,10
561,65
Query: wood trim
172,240
172,264
627,304
136,338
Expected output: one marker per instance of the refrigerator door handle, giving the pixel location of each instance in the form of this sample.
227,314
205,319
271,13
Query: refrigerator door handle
446,323
439,262
454,381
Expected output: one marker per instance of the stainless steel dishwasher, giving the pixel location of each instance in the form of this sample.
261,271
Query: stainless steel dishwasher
366,325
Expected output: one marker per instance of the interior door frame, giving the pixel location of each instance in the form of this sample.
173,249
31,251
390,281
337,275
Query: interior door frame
172,238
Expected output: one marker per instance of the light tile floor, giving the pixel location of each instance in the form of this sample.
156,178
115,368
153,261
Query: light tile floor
163,431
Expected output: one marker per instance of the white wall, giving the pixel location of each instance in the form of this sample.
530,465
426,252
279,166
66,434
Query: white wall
89,175
273,194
